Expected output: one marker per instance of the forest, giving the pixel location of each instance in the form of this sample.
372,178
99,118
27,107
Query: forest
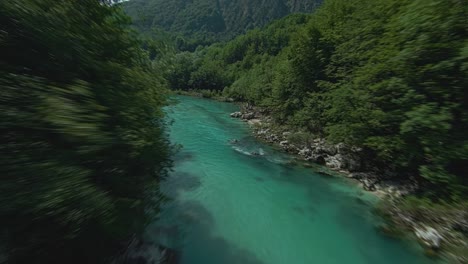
190,24
388,76
84,138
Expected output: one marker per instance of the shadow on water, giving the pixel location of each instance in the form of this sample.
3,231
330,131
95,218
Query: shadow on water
316,189
190,231
183,156
259,179
300,210
184,233
191,221
179,182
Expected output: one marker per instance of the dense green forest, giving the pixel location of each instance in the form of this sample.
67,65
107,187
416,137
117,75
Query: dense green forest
203,22
82,137
389,76
82,131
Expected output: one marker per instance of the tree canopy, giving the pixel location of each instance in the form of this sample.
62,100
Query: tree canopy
82,137
203,22
388,76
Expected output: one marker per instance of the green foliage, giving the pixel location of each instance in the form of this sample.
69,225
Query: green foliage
202,22
302,137
81,135
187,71
180,71
388,76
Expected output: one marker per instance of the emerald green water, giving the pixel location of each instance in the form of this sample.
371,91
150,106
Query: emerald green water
227,206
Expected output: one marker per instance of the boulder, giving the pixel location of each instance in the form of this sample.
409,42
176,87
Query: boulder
319,141
341,148
271,137
329,149
334,162
287,146
255,122
248,116
262,131
429,236
368,185
352,162
304,152
319,160
461,224
236,114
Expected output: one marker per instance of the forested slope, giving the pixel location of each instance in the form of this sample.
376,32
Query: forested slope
207,21
81,135
389,76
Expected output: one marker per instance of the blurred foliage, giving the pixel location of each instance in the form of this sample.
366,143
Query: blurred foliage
203,22
388,76
81,135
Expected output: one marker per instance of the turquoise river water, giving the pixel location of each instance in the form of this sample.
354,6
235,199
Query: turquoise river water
226,206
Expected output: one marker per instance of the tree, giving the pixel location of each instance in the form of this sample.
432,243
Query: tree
82,140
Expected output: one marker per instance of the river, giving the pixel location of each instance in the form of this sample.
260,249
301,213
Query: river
226,206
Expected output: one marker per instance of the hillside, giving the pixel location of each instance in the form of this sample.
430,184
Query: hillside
104,163
207,21
387,77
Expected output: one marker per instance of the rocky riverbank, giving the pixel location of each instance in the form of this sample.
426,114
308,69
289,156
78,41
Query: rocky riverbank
442,231
347,160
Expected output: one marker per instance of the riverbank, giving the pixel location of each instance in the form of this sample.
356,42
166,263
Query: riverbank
228,205
207,94
347,160
440,228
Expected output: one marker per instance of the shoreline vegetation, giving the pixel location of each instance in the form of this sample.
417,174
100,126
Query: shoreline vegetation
373,88
440,228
